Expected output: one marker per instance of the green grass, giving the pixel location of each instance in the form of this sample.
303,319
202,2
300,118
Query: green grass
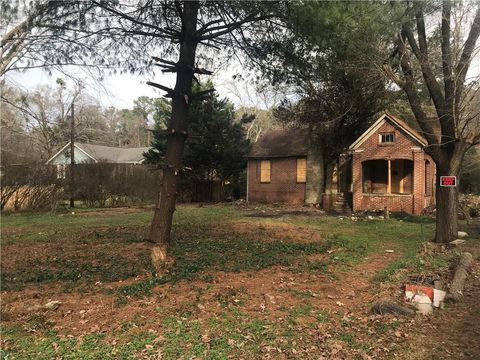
82,250
51,345
198,249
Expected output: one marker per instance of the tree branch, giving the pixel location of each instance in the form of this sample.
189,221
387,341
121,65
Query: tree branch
464,62
414,99
170,92
225,29
447,55
171,33
422,56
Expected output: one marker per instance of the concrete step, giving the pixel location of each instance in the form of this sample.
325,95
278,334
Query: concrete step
341,204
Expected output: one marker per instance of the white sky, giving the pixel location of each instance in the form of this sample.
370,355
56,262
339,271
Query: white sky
121,90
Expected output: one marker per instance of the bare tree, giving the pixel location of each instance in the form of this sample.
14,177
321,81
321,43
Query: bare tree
258,100
452,127
41,118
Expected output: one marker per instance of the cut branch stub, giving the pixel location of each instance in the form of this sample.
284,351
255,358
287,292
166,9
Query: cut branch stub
170,66
169,91
202,71
167,68
160,60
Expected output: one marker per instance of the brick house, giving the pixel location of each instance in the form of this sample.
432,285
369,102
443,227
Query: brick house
385,166
276,170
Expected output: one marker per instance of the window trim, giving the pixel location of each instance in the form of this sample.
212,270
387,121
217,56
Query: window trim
381,137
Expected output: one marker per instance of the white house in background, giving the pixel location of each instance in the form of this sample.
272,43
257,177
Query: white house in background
91,154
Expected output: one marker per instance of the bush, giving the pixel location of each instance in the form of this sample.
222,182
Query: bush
97,185
30,188
105,184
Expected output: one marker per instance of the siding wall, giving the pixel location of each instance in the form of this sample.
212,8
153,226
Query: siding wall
80,157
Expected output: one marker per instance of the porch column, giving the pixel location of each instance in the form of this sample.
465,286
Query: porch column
389,184
357,181
335,177
418,191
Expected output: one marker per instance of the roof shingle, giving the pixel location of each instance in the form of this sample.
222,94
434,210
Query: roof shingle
112,154
281,143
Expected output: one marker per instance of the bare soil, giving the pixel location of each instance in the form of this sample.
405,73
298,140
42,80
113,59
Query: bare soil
345,297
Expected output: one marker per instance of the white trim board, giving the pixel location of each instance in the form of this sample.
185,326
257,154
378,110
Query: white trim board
376,125
63,148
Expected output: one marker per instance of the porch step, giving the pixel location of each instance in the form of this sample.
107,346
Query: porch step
342,204
346,212
343,207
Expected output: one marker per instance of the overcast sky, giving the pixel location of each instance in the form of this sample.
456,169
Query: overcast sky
121,90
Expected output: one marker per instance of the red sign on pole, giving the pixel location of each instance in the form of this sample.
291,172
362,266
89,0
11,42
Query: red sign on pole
448,181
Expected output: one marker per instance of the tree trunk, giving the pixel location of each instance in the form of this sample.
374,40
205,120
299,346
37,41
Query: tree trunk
162,219
446,199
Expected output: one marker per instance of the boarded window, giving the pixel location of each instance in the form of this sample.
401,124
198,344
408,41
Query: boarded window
387,138
265,171
301,170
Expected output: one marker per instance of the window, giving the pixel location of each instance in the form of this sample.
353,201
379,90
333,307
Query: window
61,173
301,170
265,171
387,138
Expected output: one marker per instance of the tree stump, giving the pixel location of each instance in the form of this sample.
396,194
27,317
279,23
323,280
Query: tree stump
161,261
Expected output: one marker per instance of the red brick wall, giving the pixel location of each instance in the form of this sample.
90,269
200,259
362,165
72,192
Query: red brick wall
393,202
283,186
401,149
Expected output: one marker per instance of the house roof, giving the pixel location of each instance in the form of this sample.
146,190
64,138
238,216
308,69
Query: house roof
110,154
281,143
398,123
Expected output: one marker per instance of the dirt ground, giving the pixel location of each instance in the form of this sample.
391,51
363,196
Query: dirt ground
329,307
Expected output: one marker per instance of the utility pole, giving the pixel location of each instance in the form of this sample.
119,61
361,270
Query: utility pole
72,156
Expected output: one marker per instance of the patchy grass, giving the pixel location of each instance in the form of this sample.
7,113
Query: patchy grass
242,286
51,345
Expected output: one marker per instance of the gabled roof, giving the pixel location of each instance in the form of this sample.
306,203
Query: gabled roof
109,154
281,143
398,123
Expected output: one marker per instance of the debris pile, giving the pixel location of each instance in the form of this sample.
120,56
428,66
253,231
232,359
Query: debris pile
425,298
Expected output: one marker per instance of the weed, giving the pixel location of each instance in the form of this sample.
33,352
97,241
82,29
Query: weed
303,294
383,327
301,310
321,317
348,339
310,266
139,288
